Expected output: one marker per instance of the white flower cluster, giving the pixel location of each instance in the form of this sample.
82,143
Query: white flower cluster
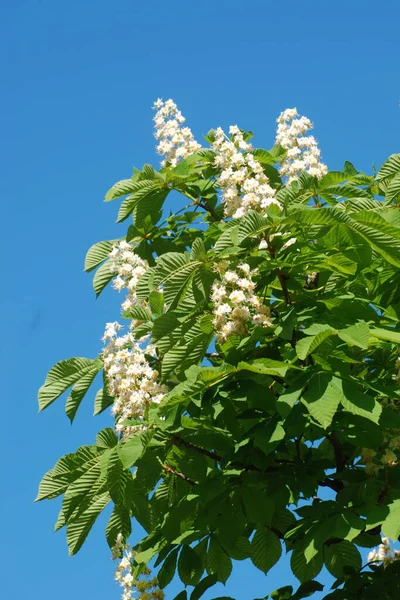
235,304
174,141
243,181
303,153
123,574
128,267
384,553
130,378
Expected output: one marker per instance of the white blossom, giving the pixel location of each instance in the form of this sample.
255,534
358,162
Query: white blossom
130,379
384,553
236,306
174,141
303,154
243,181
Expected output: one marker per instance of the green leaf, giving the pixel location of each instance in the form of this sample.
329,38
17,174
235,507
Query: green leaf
102,277
167,571
265,366
307,345
301,569
393,190
389,168
387,335
119,522
266,549
78,530
218,562
322,398
356,401
203,586
102,401
64,374
78,392
391,525
98,253
130,450
121,188
190,568
338,556
356,335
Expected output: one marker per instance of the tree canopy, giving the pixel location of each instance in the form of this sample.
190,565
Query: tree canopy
255,387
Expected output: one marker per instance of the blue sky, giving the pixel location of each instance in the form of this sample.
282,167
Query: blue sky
79,79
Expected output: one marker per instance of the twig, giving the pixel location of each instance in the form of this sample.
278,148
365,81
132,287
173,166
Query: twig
282,279
337,449
177,474
209,209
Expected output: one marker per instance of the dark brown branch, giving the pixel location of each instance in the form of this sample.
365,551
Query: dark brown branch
282,280
178,441
209,209
333,484
177,474
337,449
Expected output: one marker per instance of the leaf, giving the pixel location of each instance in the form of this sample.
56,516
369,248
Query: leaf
301,569
391,525
389,168
265,366
203,586
356,335
338,556
393,190
386,334
307,345
218,562
359,403
322,398
130,451
78,530
119,522
266,549
102,401
78,392
64,374
307,589
121,188
167,571
98,253
102,277
190,568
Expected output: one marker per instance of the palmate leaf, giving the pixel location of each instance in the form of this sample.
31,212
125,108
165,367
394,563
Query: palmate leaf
65,373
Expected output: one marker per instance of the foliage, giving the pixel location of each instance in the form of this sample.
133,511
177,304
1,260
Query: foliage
235,460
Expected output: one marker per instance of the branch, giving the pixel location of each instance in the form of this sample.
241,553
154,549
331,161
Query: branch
209,209
283,279
177,474
333,484
178,441
337,449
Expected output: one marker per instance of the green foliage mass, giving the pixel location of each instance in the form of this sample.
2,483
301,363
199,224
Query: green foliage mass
231,463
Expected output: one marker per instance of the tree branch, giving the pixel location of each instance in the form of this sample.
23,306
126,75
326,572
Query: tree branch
177,474
283,279
209,209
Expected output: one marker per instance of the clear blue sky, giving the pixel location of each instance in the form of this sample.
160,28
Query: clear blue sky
78,80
